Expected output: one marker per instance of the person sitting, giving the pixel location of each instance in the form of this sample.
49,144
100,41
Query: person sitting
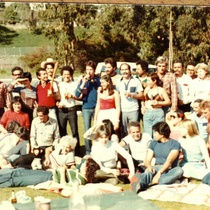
104,153
15,113
172,119
166,152
137,144
44,129
195,162
12,145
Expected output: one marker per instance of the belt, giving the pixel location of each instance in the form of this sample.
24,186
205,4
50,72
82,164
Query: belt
51,107
66,109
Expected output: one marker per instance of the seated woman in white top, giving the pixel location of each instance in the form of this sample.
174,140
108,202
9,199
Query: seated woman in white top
104,153
196,162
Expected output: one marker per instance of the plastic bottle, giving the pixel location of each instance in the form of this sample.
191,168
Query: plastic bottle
76,201
13,197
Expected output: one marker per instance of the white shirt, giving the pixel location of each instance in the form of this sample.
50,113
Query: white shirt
9,145
67,87
105,155
138,148
201,89
134,86
185,88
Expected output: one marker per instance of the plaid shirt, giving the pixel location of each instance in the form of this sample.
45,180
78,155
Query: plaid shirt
4,96
170,85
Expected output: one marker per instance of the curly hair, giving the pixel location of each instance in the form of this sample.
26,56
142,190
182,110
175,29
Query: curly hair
91,168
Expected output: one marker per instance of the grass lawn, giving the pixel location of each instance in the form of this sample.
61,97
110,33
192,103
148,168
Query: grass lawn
5,193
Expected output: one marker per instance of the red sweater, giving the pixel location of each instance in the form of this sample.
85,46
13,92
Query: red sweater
20,117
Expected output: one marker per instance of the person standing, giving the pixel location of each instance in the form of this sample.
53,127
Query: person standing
130,90
47,92
111,70
169,82
15,86
185,87
190,70
108,103
4,98
67,111
87,91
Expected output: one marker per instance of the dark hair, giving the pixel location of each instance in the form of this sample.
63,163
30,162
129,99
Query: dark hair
144,65
43,109
154,77
38,71
103,130
91,64
162,128
108,79
15,100
179,61
91,168
198,100
180,113
16,68
23,133
67,68
108,123
13,126
111,61
26,75
190,64
129,67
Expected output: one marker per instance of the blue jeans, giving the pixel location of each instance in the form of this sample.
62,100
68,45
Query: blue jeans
126,118
150,118
20,177
87,117
167,177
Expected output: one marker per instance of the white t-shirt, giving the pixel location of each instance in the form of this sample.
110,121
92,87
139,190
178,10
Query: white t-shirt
138,148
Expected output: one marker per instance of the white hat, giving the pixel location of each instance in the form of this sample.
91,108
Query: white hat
48,61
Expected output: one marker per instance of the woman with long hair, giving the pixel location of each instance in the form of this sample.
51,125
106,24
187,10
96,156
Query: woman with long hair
15,114
196,162
108,103
155,98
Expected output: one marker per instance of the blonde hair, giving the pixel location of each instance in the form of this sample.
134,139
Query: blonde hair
68,140
190,126
202,66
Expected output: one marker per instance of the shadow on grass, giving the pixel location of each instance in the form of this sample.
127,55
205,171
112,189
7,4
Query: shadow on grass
7,35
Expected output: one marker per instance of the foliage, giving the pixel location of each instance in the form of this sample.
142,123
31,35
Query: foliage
10,16
34,59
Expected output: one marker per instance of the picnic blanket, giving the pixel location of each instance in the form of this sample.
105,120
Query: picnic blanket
67,191
190,193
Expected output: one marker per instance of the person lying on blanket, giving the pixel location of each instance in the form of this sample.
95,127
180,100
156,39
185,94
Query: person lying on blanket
20,177
166,154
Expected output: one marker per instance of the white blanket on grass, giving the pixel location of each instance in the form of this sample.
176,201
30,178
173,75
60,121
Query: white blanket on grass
66,191
190,193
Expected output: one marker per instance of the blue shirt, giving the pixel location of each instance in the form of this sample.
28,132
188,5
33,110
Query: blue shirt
89,93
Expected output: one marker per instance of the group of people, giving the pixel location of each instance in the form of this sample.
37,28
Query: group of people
171,105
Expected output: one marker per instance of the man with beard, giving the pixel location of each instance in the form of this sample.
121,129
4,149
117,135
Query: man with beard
130,90
169,82
111,70
184,83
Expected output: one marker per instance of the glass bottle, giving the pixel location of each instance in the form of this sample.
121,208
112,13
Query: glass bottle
13,197
76,201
